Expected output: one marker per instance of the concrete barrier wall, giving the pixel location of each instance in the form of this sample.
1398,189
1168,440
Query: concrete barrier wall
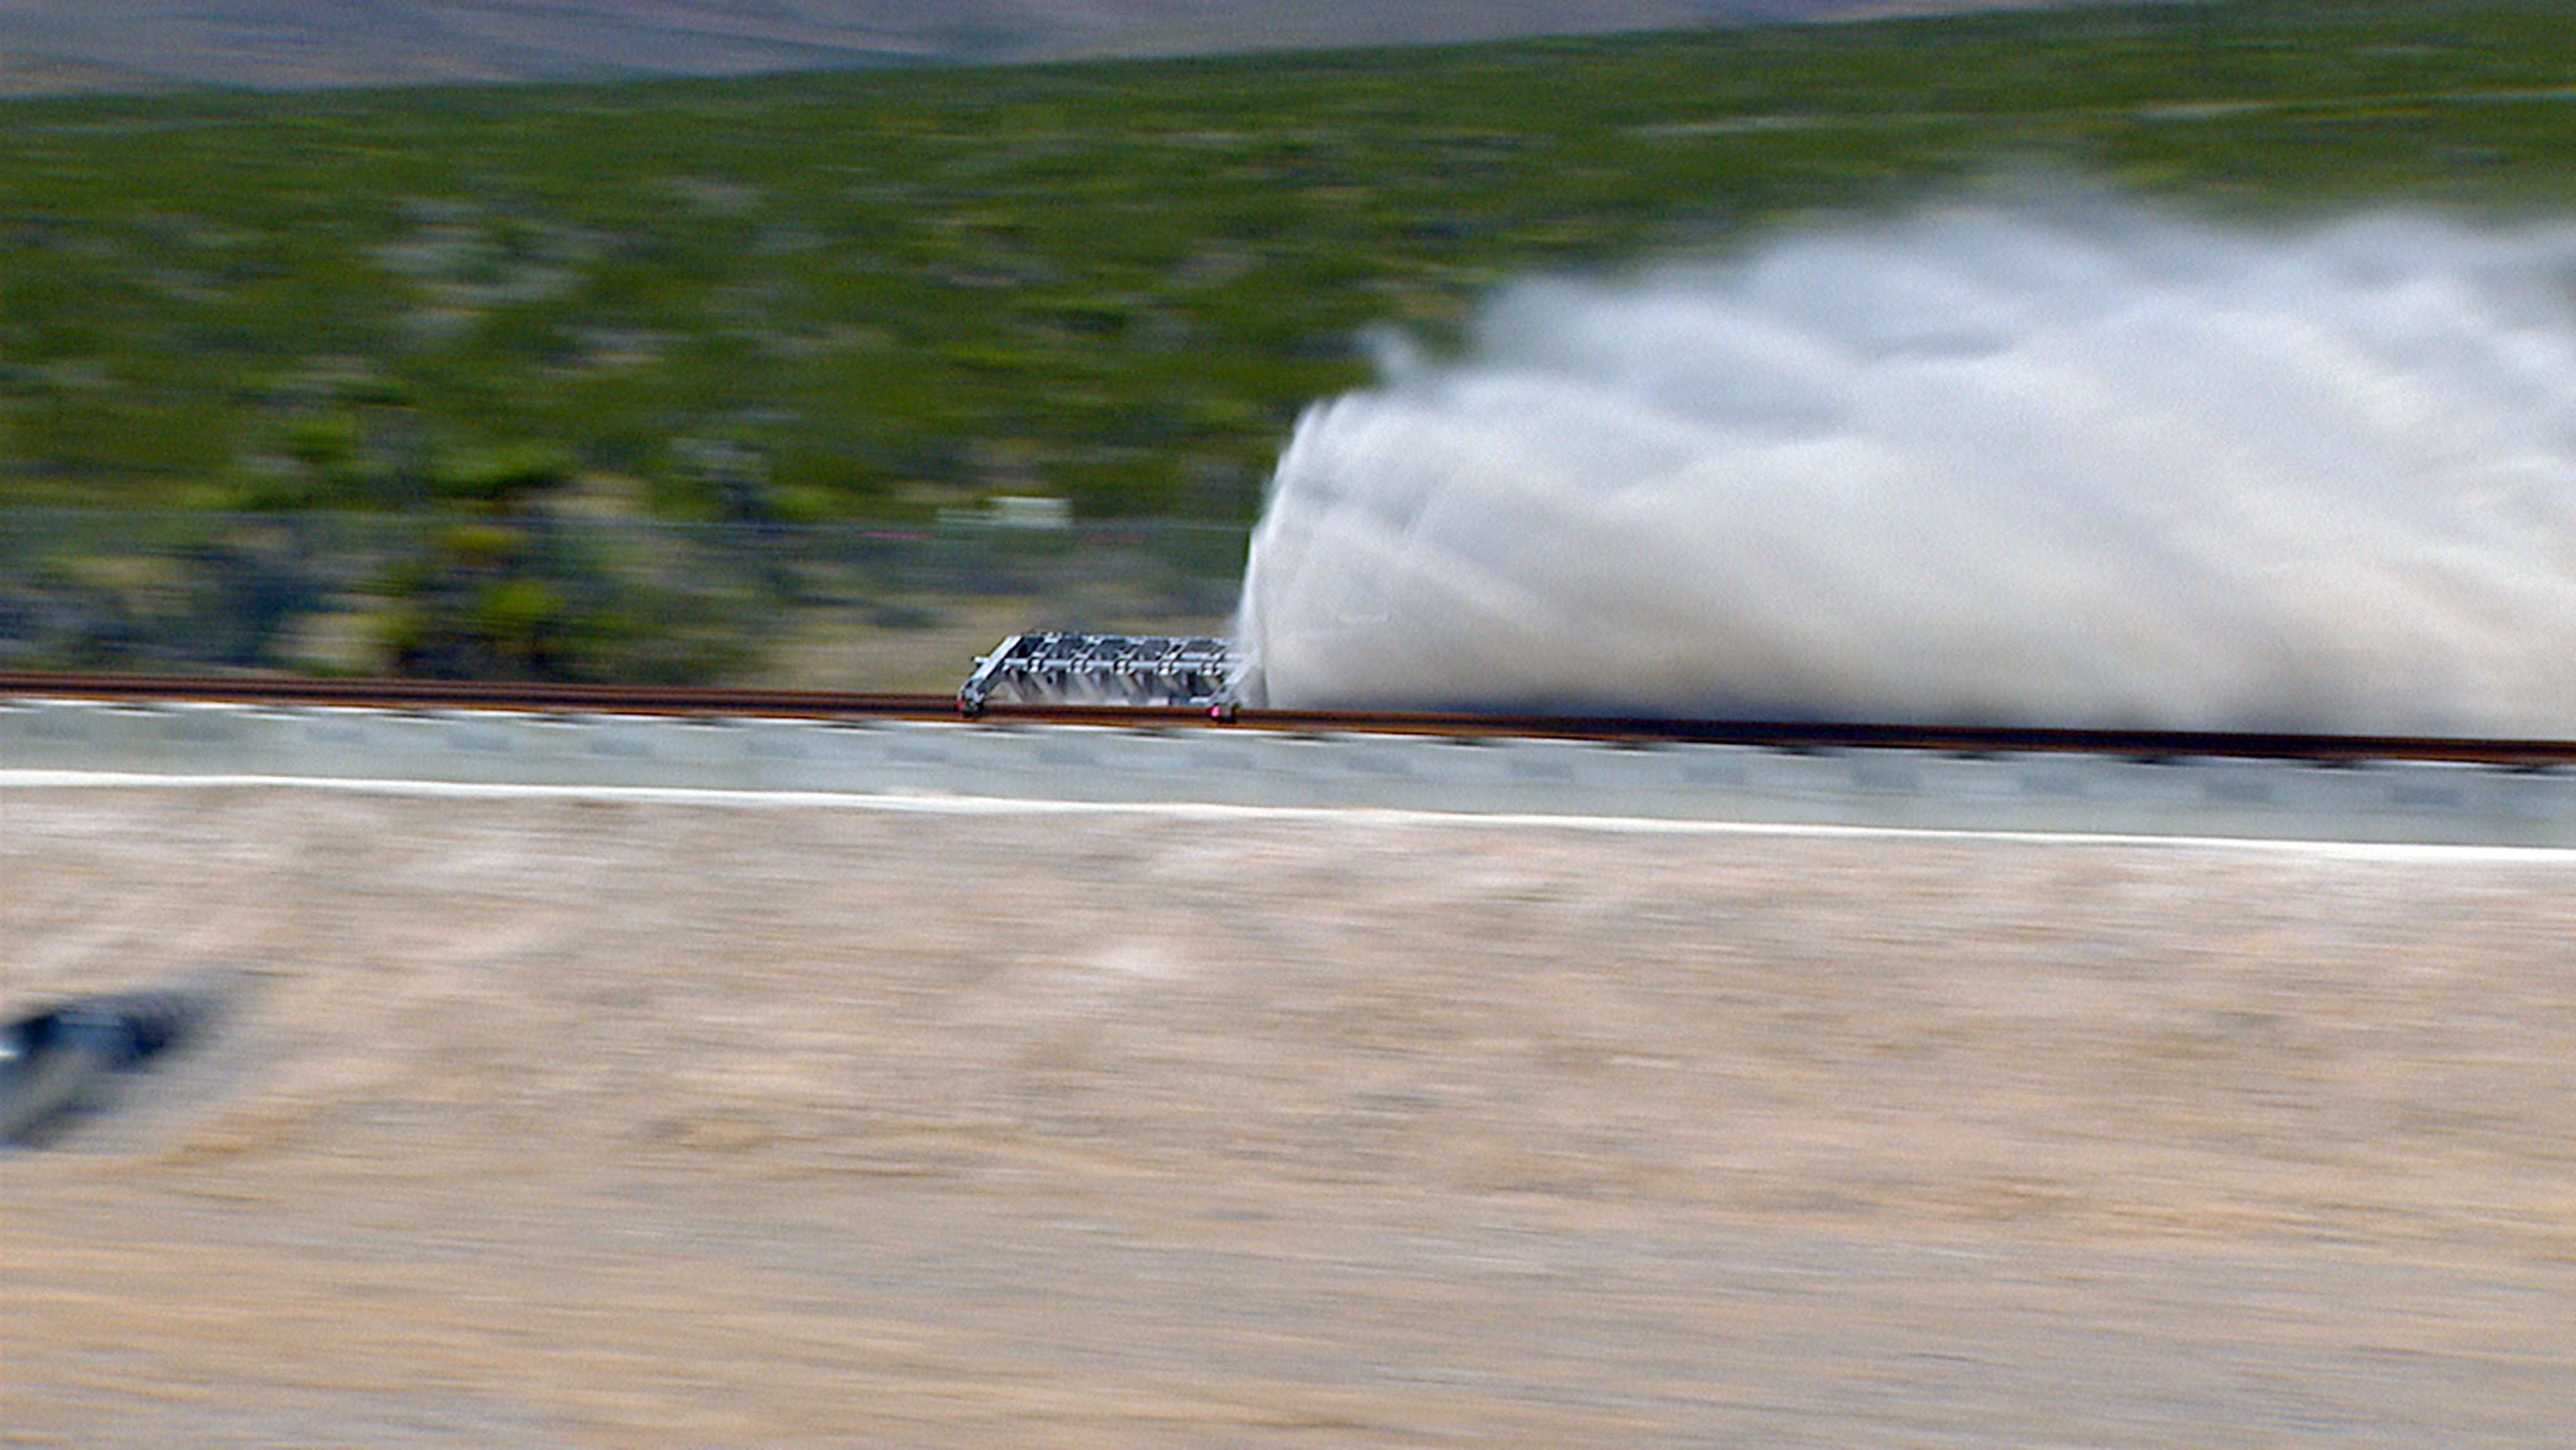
2394,801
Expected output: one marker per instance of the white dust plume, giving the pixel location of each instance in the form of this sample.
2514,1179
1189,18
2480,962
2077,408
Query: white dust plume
2056,465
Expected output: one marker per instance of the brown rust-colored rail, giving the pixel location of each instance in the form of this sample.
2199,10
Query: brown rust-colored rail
398,694
834,705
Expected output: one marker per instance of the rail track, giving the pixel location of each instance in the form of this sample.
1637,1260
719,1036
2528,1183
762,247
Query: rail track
424,695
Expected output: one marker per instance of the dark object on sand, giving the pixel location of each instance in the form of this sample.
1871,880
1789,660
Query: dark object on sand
54,1062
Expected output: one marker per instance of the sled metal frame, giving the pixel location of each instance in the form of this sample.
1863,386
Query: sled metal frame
1063,668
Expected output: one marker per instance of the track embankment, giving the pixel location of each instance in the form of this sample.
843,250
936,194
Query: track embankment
678,701
2500,793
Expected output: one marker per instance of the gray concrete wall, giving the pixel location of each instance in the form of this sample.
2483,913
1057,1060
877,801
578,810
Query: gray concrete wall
2394,801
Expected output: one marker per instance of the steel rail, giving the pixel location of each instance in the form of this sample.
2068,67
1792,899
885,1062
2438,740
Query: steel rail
425,695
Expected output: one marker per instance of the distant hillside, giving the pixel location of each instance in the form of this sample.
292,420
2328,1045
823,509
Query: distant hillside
54,46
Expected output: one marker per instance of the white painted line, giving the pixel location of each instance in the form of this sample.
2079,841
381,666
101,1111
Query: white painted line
965,805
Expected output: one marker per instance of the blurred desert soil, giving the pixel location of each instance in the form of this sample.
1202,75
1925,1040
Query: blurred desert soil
619,1123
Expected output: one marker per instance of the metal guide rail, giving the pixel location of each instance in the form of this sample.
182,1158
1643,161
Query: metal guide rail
1062,668
1202,712
1459,766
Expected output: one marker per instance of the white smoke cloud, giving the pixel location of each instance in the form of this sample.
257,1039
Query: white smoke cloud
2073,464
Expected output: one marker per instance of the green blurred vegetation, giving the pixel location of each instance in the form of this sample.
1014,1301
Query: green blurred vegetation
515,588
403,379
876,294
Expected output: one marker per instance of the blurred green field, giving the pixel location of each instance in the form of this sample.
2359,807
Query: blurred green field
874,295
715,380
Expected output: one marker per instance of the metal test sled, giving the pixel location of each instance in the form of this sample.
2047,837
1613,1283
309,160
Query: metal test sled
1104,669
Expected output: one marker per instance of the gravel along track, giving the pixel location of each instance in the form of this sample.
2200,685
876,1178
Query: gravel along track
605,1122
591,700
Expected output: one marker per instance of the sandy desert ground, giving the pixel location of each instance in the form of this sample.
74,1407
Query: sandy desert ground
621,1122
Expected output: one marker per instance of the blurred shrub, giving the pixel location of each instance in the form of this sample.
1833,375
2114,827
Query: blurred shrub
501,476
174,592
